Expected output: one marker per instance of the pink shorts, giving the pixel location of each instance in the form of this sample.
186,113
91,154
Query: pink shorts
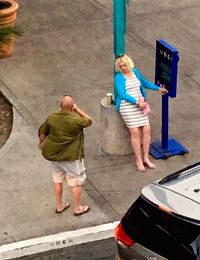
71,171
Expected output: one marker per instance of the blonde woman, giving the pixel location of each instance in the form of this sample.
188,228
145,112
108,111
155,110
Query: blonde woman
130,86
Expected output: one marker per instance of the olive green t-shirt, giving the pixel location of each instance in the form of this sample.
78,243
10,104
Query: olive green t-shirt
64,136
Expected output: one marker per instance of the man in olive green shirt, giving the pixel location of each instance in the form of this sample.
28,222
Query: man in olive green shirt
62,142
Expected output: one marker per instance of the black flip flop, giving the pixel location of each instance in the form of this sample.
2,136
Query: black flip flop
60,211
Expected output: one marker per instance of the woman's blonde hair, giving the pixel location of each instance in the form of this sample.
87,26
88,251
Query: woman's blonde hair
123,58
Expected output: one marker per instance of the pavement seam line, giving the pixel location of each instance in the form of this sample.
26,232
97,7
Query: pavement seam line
107,207
57,241
19,107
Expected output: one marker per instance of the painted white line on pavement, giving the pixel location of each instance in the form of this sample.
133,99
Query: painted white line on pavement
57,241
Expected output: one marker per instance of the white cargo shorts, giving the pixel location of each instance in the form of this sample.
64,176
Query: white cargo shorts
73,172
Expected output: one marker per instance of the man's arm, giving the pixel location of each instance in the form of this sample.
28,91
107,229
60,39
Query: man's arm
42,133
81,113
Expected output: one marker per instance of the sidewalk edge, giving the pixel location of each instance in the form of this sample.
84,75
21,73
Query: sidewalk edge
57,241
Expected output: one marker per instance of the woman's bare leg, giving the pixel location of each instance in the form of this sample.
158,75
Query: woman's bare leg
146,137
136,146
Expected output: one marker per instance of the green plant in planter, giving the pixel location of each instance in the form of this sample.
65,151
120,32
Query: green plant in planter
7,33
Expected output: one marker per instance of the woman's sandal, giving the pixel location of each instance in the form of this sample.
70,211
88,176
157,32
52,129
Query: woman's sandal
140,166
149,164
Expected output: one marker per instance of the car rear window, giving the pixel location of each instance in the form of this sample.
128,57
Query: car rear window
165,233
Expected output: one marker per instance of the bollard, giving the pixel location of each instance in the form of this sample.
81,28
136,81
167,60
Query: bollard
115,136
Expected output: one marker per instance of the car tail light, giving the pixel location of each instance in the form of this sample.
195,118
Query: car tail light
122,236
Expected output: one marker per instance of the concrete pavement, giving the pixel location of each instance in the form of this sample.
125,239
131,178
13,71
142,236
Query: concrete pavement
67,47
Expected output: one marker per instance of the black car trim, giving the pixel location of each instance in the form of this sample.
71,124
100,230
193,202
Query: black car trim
177,173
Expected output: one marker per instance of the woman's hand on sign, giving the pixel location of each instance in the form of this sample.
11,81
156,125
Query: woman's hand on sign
163,90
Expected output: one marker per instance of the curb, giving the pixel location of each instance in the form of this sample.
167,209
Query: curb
57,241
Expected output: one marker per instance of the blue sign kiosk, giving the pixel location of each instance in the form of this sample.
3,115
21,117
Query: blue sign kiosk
166,76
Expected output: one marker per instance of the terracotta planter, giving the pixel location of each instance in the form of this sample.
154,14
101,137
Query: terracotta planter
8,14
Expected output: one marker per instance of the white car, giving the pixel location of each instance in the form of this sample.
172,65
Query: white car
164,222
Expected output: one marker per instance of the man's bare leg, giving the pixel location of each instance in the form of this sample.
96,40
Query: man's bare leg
78,208
76,192
58,189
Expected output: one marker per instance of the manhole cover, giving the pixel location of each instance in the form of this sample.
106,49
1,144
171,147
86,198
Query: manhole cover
6,119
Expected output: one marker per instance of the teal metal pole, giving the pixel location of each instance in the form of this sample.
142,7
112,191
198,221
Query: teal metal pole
119,13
